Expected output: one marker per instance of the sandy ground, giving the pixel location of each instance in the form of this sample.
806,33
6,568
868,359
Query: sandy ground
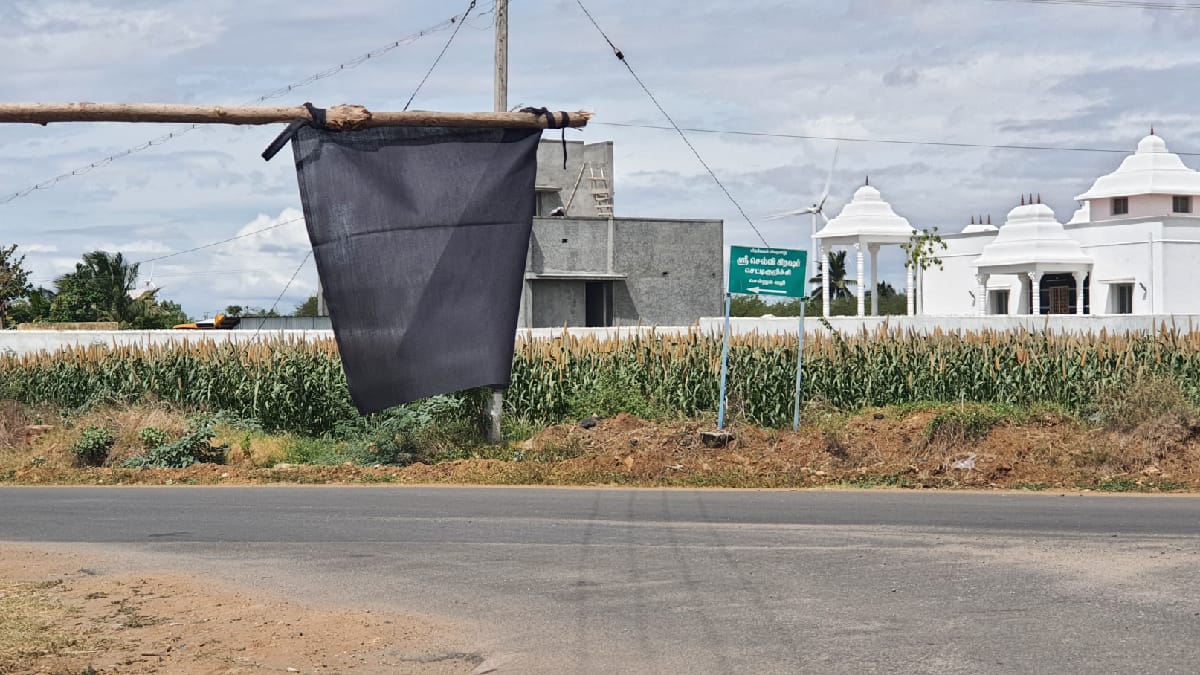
64,613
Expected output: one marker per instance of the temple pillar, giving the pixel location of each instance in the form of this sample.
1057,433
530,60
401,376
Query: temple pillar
1035,301
981,294
862,282
909,291
1079,277
824,281
874,250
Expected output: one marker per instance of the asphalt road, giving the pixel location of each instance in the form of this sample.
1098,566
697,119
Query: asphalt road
645,581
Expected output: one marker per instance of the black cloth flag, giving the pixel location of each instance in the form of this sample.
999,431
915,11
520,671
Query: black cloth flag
420,236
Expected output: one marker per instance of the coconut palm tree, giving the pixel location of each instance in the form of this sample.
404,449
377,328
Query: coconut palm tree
98,289
839,285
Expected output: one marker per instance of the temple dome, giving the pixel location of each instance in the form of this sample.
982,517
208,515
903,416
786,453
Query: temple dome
1152,170
868,218
1032,237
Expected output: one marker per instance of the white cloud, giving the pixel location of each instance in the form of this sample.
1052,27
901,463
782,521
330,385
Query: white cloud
251,271
133,249
37,248
73,34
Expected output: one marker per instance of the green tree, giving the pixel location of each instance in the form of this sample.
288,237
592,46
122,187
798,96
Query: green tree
14,279
98,290
747,305
259,312
234,310
32,308
839,285
921,253
752,305
309,307
147,312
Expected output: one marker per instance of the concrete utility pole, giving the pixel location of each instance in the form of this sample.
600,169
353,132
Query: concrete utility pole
496,404
501,55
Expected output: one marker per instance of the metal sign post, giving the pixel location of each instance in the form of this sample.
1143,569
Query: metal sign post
724,365
799,369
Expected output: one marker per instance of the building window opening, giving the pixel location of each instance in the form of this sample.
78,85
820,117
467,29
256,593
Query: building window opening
1120,206
999,302
598,304
547,203
1122,298
1181,204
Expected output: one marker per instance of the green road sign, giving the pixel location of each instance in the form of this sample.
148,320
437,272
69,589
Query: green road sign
767,271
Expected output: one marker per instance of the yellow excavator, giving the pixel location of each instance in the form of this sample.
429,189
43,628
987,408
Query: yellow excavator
218,322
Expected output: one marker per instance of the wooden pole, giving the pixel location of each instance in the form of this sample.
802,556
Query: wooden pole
345,117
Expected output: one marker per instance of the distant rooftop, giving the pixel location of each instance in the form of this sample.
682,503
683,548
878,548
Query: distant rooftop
1152,170
1031,236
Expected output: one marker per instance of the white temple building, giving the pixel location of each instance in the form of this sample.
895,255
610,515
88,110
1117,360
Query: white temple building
865,224
1133,247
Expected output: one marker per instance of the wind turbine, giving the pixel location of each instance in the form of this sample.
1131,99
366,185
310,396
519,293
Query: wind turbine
817,209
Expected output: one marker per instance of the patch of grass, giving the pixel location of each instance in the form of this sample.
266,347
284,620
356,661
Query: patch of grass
552,451
29,617
883,480
1125,407
1035,487
1132,484
969,422
903,410
13,421
327,452
516,428
251,446
1117,484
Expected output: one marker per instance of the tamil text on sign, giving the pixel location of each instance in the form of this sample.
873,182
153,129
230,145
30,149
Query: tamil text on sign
767,271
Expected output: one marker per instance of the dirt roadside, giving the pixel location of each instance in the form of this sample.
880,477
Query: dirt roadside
922,449
73,614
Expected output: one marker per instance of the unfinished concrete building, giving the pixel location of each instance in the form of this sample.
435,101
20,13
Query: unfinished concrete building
587,267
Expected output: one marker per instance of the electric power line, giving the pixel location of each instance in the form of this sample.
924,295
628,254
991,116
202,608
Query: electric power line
315,77
192,273
211,244
1114,4
621,57
285,288
888,141
218,243
438,58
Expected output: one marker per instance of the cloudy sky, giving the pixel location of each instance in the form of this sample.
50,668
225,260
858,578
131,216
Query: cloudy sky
986,72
